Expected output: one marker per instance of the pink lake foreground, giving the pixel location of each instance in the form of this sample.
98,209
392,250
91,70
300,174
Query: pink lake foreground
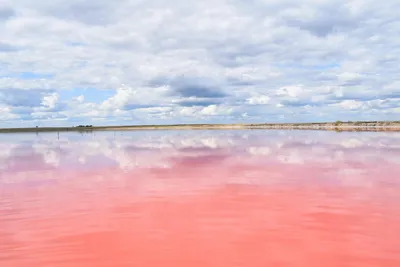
200,198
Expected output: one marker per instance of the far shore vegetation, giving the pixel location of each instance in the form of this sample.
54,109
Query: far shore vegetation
337,125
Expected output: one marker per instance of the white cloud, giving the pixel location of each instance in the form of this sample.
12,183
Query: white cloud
281,56
291,91
350,104
258,100
216,110
129,98
50,101
80,98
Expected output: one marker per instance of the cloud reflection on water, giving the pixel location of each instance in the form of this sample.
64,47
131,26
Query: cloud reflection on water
200,198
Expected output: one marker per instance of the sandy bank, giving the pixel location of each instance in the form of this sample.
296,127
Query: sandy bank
337,126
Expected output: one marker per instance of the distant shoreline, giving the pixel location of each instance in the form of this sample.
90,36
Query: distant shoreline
393,126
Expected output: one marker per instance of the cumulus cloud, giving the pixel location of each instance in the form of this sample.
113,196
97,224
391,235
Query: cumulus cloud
258,100
80,98
50,101
271,60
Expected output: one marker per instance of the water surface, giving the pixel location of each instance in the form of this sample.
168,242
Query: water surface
200,198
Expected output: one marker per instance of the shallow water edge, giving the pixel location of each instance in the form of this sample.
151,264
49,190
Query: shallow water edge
336,126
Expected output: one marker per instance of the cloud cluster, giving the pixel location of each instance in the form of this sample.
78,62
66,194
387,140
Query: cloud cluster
132,61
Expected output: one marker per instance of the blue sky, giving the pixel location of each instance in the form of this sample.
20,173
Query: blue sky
150,62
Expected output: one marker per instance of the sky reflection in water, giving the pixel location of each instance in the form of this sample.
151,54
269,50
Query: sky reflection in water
200,198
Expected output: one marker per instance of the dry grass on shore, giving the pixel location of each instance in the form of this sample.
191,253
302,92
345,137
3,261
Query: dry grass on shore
337,126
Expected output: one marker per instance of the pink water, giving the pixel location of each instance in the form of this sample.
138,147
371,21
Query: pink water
200,198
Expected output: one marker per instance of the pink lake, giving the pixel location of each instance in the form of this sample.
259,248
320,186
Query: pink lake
200,198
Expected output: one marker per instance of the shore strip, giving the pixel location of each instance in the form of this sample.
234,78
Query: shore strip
392,126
